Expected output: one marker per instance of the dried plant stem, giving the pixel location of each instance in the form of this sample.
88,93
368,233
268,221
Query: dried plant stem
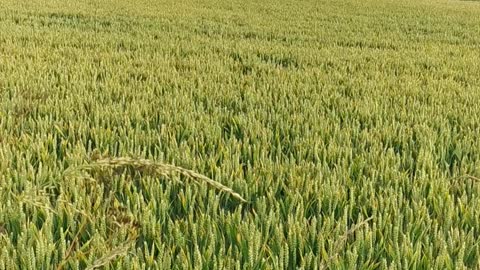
341,241
72,245
467,176
112,255
160,169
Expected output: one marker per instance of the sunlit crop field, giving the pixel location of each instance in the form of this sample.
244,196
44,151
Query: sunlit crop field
209,134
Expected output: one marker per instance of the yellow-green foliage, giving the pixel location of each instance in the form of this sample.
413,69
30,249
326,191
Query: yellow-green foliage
351,128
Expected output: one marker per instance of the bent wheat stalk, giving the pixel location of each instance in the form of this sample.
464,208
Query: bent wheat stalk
160,169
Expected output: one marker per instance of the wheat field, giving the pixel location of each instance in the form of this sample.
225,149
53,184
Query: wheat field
208,134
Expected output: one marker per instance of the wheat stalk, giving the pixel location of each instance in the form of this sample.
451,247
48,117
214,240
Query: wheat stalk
112,255
466,176
160,169
341,241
